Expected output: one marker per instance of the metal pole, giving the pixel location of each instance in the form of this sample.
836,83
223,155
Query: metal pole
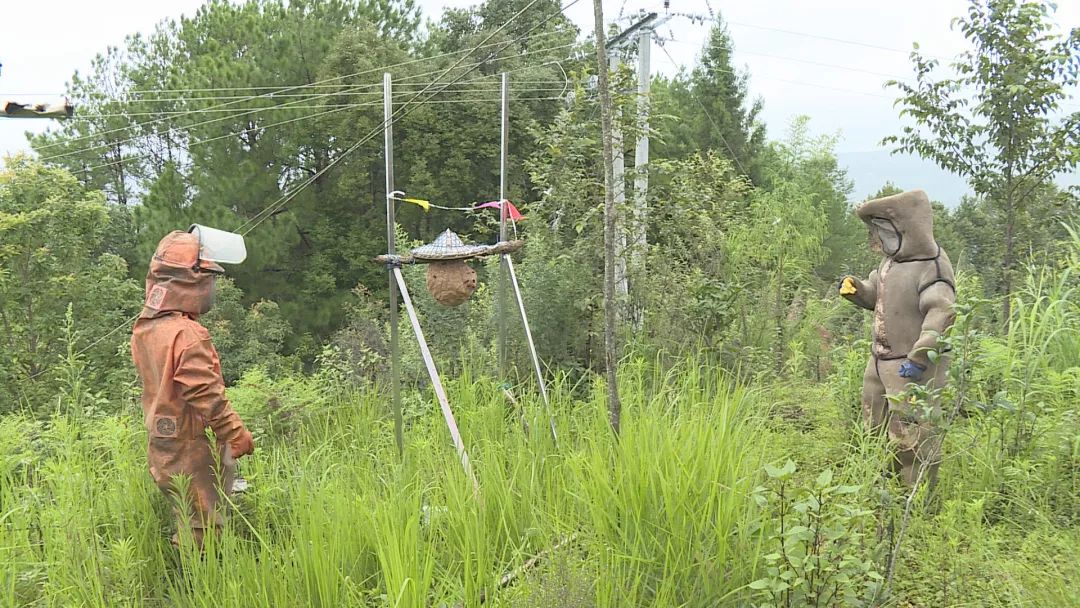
639,241
436,383
391,248
532,346
504,146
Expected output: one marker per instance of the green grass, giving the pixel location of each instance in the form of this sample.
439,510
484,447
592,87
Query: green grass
664,516
335,518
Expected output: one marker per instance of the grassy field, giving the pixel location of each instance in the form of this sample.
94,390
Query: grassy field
761,491
681,511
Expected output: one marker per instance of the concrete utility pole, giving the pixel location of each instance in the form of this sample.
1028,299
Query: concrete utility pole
622,277
639,217
630,238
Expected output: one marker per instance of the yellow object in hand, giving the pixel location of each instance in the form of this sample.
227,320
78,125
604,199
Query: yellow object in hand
847,287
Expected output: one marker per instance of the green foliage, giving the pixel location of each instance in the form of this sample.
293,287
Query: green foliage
745,241
669,529
994,123
246,337
822,555
706,111
52,233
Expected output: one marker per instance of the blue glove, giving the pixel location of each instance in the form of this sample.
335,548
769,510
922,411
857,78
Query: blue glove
911,370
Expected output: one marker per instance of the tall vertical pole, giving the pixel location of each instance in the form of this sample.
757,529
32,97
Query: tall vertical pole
504,147
610,346
622,282
391,248
639,241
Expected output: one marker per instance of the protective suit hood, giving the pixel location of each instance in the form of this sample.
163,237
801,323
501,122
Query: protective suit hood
178,280
911,216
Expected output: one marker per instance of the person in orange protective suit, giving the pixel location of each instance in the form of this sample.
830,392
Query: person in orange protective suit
183,390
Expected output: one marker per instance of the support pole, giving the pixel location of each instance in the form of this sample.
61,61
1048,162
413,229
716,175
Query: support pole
436,383
391,248
639,241
503,148
532,347
622,280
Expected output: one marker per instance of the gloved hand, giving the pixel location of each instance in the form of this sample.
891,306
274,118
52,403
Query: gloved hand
243,445
911,370
847,286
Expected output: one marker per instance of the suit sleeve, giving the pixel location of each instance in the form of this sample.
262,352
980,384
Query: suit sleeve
200,385
936,305
865,295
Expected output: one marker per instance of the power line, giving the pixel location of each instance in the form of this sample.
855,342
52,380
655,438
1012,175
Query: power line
317,115
325,82
242,113
254,222
831,39
221,137
316,107
785,80
430,100
155,100
822,64
92,344
708,114
196,111
270,210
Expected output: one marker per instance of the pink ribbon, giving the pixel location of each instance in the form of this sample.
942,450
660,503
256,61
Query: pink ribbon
511,210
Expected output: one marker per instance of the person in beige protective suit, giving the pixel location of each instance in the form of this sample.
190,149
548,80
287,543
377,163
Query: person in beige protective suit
912,294
183,390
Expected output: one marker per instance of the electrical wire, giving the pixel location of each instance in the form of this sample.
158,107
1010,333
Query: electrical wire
373,93
254,222
708,114
320,106
316,115
246,129
323,82
241,113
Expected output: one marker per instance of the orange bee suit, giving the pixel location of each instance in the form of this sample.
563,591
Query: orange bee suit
183,390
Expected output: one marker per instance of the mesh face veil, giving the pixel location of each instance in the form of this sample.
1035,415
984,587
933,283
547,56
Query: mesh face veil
887,235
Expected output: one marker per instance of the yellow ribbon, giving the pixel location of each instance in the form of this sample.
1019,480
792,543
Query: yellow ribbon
425,205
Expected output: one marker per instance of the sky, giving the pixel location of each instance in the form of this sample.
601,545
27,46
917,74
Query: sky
827,59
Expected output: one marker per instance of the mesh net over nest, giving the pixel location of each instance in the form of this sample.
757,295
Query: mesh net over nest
449,246
449,279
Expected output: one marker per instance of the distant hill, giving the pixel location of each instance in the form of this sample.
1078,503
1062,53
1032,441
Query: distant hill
870,170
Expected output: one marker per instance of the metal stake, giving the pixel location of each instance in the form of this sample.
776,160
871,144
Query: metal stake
433,373
532,347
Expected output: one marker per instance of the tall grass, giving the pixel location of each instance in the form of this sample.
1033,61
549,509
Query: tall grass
660,517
